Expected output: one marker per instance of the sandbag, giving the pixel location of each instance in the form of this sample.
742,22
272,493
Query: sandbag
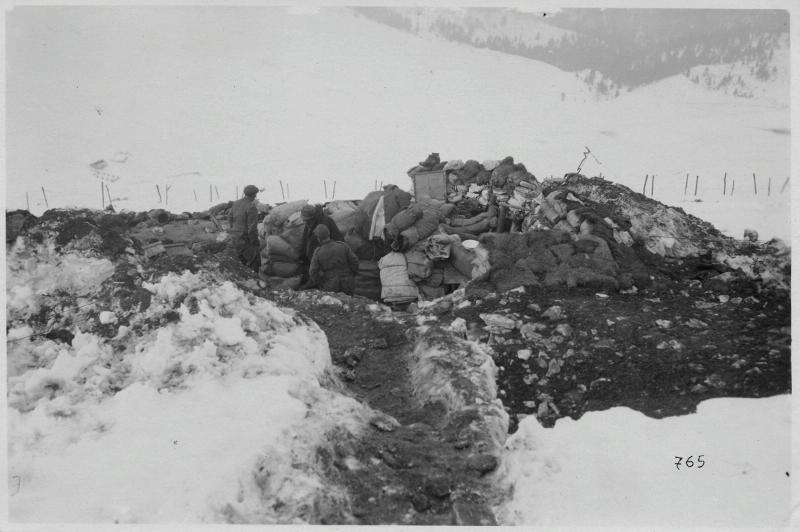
403,220
470,169
283,269
483,177
342,212
394,201
294,237
396,286
428,223
500,174
278,246
277,257
471,230
462,221
354,240
446,210
419,265
288,283
369,269
369,202
454,164
280,213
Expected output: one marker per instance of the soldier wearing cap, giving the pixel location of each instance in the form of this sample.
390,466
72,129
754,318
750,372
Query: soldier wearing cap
333,265
313,216
243,236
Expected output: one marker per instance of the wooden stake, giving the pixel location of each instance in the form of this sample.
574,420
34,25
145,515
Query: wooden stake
217,191
282,193
166,194
755,186
652,184
686,184
109,197
159,193
28,202
696,180
725,184
733,186
45,199
333,194
784,185
376,184
210,196
195,194
325,184
644,187
237,193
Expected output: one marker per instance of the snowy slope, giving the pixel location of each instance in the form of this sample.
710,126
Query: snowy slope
213,418
302,98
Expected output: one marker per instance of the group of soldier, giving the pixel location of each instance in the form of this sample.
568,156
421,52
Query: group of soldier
327,262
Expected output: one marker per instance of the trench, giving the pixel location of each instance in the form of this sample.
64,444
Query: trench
435,464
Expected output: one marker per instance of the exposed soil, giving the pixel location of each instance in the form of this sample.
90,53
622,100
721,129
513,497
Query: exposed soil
660,351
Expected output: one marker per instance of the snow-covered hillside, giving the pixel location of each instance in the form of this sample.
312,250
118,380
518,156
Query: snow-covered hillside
301,98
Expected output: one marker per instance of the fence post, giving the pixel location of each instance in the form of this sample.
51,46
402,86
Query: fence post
159,193
755,187
237,193
325,186
652,184
210,196
686,184
644,186
110,203
334,190
696,181
45,199
28,201
282,194
725,184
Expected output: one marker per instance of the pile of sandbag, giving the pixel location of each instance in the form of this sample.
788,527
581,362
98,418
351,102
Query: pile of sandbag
281,235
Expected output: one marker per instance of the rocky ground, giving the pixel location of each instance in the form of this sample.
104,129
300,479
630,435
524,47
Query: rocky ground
689,336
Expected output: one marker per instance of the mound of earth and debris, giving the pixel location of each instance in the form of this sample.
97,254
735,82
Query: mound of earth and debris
588,296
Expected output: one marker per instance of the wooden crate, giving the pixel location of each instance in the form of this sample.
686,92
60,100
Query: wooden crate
430,185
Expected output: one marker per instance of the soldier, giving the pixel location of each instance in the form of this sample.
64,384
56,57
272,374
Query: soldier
243,238
333,265
313,216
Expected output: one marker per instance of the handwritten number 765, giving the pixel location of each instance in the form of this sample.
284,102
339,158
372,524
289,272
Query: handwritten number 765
689,462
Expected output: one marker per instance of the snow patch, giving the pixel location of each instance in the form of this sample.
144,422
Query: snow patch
590,463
